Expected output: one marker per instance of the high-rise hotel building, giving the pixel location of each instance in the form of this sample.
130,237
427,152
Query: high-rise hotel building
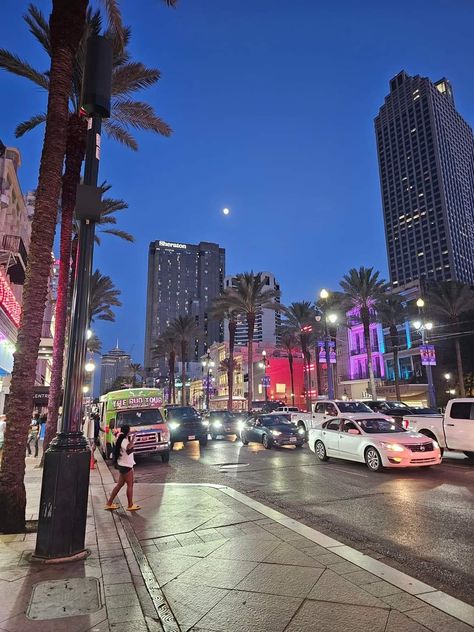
183,279
426,160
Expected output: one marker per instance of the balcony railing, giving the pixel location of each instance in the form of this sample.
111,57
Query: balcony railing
16,270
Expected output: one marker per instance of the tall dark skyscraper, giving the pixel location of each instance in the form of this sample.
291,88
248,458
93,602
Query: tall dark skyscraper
183,279
426,160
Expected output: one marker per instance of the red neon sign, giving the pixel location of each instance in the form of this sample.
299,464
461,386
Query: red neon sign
8,302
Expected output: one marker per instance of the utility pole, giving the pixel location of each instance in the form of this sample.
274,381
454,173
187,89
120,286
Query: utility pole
65,485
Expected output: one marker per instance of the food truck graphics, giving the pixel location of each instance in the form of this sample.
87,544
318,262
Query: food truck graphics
140,409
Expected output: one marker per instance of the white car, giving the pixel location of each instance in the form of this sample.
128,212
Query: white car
376,440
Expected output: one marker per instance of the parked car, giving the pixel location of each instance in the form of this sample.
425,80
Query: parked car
453,431
376,440
272,431
224,422
186,424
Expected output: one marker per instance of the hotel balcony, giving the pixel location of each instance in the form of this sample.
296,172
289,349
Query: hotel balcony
14,257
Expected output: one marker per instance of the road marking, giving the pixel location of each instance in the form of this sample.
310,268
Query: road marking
341,469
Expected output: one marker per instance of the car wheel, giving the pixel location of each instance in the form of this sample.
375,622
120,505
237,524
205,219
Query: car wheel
470,455
244,439
373,460
301,425
266,442
320,450
165,457
203,441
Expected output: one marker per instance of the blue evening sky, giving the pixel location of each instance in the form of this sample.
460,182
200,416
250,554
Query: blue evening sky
272,105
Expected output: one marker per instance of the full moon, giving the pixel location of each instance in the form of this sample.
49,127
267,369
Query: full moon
226,211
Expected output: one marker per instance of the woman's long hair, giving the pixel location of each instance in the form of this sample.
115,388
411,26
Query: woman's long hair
118,444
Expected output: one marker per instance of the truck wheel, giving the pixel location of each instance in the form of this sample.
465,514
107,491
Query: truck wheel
165,457
430,435
301,425
470,455
320,450
373,460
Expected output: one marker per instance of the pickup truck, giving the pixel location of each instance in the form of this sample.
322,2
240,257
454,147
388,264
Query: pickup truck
453,431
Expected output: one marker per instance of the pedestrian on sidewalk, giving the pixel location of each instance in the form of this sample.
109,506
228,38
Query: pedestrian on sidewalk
33,434
124,460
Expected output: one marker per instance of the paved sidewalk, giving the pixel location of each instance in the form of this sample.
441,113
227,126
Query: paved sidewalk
209,559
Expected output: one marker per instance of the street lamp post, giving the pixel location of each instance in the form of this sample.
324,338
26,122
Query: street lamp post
423,326
209,364
263,365
65,484
324,295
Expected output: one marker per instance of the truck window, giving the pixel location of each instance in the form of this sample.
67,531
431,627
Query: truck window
462,410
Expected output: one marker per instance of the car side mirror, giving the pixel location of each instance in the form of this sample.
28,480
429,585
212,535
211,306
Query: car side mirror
353,431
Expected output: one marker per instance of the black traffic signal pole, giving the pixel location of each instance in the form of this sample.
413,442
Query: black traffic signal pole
65,485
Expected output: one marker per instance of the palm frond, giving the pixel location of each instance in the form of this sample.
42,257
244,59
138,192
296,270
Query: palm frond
27,126
114,16
132,76
118,133
39,27
12,63
139,115
107,220
112,205
119,233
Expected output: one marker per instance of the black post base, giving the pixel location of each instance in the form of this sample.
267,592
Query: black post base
64,495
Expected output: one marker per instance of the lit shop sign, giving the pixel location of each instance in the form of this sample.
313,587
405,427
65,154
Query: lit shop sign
137,402
8,302
170,244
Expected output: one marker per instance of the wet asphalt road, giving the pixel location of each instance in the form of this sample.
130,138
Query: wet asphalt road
420,520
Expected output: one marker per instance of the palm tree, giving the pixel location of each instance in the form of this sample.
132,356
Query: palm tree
300,318
128,77
248,296
289,342
166,346
66,23
136,370
222,310
392,312
449,300
185,330
104,296
94,345
364,289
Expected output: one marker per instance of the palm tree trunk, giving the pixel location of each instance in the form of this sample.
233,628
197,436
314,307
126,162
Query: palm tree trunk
67,25
250,331
172,376
230,369
396,368
184,399
292,377
366,324
462,389
307,378
75,149
318,369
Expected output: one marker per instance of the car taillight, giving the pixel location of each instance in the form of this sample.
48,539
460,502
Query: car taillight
405,423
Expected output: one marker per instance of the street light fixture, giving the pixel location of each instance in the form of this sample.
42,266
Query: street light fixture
209,364
332,318
423,326
89,366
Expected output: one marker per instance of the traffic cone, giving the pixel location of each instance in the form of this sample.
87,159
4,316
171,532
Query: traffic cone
92,462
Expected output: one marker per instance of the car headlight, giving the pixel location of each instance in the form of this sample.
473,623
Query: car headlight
276,433
173,425
435,444
217,424
393,447
205,422
301,431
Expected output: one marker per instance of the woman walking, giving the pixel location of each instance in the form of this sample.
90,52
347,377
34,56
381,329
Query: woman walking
123,457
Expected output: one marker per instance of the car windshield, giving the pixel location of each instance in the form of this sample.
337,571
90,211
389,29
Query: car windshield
139,417
224,414
274,420
395,405
379,426
353,407
182,413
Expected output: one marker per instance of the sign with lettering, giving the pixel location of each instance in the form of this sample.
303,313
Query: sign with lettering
428,355
137,402
171,244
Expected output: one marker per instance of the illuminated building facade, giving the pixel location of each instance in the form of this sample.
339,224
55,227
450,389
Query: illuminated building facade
426,161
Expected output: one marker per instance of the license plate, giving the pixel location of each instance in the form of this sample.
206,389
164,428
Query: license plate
191,437
292,439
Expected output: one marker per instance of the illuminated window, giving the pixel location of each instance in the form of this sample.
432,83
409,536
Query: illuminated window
280,388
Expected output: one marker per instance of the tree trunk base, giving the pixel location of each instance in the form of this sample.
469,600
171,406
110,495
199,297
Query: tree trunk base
13,504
